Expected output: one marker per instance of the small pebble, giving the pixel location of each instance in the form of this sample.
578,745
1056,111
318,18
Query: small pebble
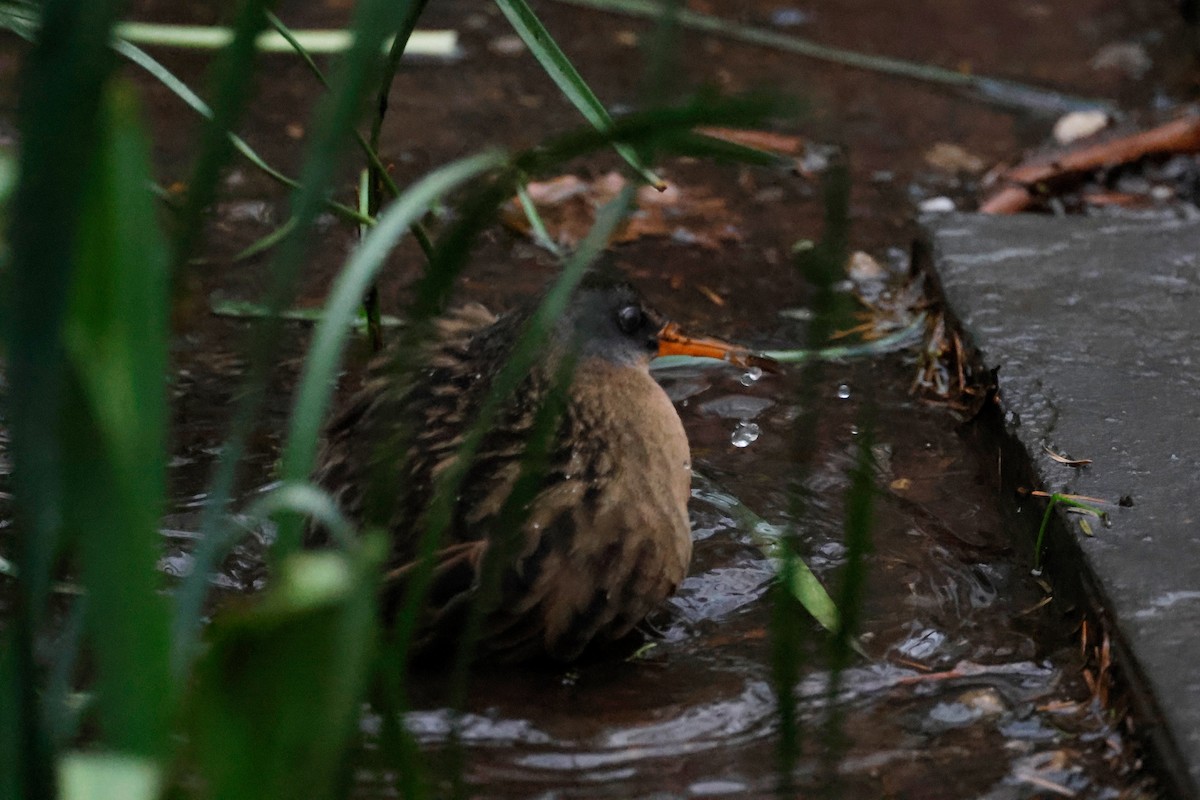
936,205
509,45
1079,125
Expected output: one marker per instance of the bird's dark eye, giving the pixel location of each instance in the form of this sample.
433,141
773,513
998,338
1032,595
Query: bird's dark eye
630,318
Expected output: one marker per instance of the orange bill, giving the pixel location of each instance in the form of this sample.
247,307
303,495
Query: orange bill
673,342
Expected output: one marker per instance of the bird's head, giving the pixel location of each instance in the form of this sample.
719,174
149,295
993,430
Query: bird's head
608,319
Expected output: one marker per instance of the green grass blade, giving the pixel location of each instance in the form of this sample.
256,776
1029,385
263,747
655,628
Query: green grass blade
308,500
1015,95
101,776
185,93
278,692
369,149
541,236
556,64
115,428
524,355
264,243
700,145
243,309
843,646
25,751
396,50
62,716
797,579
8,180
58,115
655,129
228,75
58,149
373,22
859,518
324,355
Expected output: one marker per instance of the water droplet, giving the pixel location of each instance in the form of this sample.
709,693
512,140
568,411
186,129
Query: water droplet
799,314
843,392
745,434
789,17
854,430
751,376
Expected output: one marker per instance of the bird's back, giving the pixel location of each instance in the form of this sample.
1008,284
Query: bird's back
600,543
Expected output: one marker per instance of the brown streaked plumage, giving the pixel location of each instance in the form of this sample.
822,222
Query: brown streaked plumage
606,536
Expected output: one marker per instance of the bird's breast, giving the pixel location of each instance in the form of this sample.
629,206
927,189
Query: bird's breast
634,438
625,543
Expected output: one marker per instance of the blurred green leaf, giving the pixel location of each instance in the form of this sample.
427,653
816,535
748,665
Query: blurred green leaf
700,145
114,432
560,69
324,356
248,309
522,358
374,20
798,580
277,694
8,177
59,114
369,149
185,93
147,62
103,776
231,91
12,748
308,500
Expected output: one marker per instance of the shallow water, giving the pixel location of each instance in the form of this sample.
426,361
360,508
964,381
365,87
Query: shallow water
969,687
965,692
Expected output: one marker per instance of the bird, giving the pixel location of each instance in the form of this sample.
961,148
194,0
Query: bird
603,535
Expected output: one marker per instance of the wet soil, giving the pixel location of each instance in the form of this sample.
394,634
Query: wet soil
971,687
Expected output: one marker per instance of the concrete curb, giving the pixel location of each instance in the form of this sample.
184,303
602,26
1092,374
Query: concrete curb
1094,328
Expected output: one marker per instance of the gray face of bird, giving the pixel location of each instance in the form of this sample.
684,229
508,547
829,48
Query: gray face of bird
613,323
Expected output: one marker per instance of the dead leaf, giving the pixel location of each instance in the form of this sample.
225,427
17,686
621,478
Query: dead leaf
715,298
1045,783
1070,462
953,159
862,268
1040,604
568,204
769,141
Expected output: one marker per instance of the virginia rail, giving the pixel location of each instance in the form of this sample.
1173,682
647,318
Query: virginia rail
606,536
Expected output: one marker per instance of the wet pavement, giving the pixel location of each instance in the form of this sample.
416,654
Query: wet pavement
1093,326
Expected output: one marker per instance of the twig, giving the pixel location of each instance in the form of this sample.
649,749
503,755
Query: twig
996,90
1021,185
